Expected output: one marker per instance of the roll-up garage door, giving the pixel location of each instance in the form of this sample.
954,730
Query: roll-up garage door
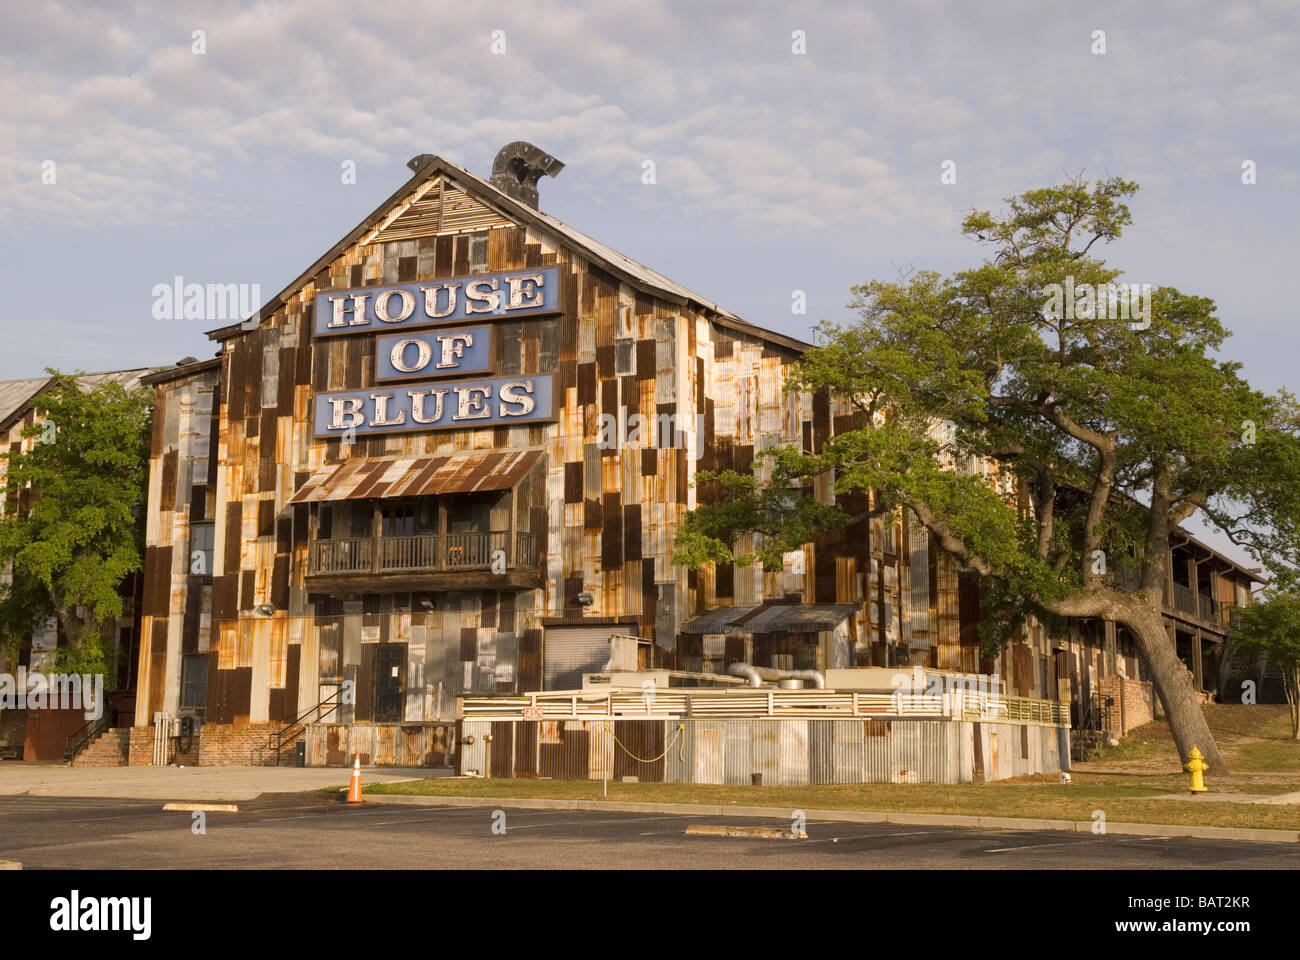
569,652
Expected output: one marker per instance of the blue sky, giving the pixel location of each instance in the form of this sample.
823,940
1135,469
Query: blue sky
774,171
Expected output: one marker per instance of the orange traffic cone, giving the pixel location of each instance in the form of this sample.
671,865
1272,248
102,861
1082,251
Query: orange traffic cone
354,789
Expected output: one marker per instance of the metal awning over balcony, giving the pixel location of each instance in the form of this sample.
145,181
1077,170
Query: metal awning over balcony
417,476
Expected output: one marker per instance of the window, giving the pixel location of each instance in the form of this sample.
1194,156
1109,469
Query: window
478,252
398,522
201,541
345,521
194,682
714,648
625,357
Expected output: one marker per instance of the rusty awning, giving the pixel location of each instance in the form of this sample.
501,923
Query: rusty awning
771,618
417,476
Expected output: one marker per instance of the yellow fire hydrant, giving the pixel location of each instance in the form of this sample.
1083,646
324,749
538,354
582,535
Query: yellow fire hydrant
1197,766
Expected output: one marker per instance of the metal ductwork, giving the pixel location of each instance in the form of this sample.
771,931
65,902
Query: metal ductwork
757,675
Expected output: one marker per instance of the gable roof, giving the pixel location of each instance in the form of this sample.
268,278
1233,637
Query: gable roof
636,275
18,396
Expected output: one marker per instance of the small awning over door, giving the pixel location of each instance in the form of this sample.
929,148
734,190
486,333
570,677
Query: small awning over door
417,476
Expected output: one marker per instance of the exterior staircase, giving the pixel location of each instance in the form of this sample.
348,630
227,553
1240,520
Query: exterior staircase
109,749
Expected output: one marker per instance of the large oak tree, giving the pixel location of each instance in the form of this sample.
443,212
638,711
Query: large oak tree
1107,432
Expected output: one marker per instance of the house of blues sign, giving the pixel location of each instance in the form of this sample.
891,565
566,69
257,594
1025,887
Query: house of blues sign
409,350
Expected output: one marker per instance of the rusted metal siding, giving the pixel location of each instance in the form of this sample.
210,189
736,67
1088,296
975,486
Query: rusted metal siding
175,616
564,750
638,749
391,745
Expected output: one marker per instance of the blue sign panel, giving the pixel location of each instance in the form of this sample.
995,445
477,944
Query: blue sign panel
430,354
434,406
434,302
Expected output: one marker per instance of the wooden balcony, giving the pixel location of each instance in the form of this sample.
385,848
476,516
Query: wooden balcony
452,561
1184,603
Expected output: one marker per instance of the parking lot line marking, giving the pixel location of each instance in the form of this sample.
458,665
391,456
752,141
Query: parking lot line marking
866,838
1032,846
1142,839
563,823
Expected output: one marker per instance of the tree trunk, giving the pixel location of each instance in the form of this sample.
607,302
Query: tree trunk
1171,679
1173,684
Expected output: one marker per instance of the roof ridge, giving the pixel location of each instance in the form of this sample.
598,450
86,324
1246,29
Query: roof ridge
637,274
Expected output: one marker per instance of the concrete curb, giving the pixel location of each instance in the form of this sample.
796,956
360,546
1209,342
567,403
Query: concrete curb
849,816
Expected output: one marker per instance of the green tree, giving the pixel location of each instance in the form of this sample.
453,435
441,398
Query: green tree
1272,628
1106,431
72,526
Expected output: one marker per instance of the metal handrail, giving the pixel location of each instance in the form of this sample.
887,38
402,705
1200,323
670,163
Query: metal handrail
87,734
279,739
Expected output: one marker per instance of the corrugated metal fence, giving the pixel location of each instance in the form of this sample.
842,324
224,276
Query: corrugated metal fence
781,752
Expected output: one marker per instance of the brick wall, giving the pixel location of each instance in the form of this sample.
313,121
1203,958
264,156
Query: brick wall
140,748
244,744
1135,702
185,751
218,744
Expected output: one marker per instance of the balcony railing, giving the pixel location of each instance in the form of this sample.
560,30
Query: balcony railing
1184,599
454,551
342,556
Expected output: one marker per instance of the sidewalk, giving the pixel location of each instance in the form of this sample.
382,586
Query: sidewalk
1269,798
183,783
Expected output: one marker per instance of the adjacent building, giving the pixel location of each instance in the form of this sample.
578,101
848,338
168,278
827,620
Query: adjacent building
44,734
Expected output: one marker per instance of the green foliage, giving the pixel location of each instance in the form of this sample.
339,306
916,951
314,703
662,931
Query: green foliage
72,527
1093,419
781,511
1272,627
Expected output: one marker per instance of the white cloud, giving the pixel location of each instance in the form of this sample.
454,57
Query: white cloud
840,147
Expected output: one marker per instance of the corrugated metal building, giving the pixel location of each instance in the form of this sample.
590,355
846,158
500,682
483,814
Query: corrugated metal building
323,548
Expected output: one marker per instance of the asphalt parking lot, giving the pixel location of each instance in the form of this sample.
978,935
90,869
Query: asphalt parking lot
315,831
